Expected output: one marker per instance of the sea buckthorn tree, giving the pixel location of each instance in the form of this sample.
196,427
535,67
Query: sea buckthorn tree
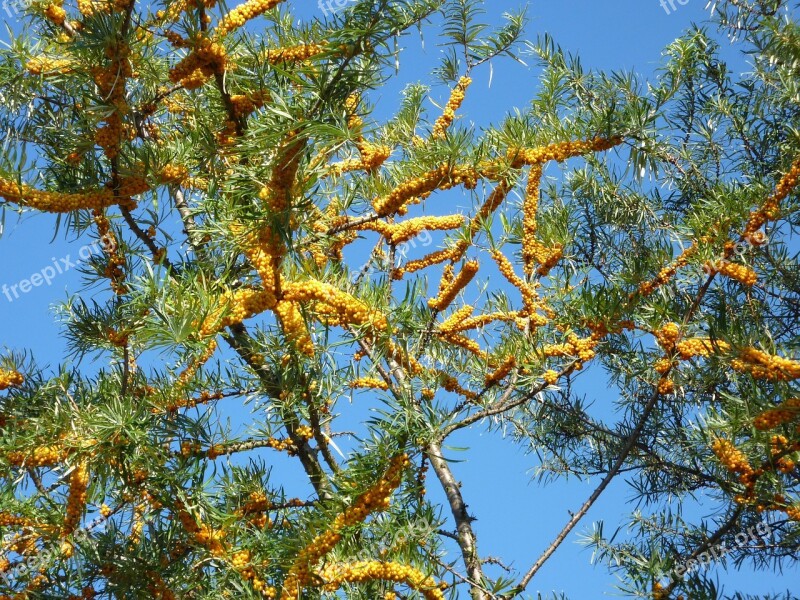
255,212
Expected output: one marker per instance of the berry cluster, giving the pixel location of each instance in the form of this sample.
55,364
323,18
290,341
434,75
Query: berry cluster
663,365
529,296
189,372
492,203
336,305
175,39
303,432
442,178
244,104
382,227
400,355
42,456
55,13
704,347
741,273
448,290
369,382
785,465
22,544
205,535
766,366
46,66
35,582
9,520
453,104
137,523
375,499
174,9
204,398
76,501
450,384
110,81
195,68
546,257
453,323
265,251
127,187
293,54
775,417
328,248
466,343
530,207
255,508
582,348
197,183
735,461
668,336
335,574
277,194
10,379
191,449
117,338
227,135
89,7
86,7
659,593
550,377
158,588
294,326
114,269
241,562
667,273
560,151
256,502
58,202
405,230
215,450
350,108
665,386
173,173
771,207
243,13
504,369
793,512
372,157
434,258
236,306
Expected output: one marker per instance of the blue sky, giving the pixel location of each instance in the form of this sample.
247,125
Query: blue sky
516,518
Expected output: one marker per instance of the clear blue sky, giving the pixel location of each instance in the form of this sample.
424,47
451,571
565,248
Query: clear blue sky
517,518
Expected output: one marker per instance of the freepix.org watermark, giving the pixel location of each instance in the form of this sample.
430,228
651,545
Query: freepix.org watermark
58,267
14,8
32,564
670,7
330,7
753,535
740,248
